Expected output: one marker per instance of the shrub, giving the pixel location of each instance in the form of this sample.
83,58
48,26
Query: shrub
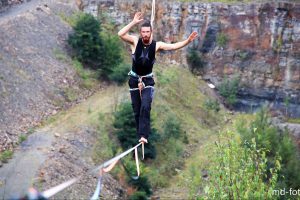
239,173
139,195
86,41
125,130
212,105
222,40
141,184
195,61
119,73
5,155
112,56
229,89
172,128
276,142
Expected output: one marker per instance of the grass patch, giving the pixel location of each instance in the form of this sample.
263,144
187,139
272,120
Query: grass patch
103,148
294,120
6,155
22,138
60,55
71,19
88,76
70,94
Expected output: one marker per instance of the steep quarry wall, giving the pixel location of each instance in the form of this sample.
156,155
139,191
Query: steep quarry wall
262,48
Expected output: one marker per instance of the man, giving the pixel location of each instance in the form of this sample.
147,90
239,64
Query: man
141,79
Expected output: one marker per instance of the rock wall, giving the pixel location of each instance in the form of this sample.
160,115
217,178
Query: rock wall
262,48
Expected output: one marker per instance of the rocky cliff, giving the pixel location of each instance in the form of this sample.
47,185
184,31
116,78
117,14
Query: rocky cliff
36,77
261,42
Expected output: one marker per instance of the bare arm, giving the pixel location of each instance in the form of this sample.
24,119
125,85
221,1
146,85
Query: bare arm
177,45
123,33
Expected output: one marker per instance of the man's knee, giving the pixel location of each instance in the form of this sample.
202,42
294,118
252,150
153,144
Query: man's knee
145,109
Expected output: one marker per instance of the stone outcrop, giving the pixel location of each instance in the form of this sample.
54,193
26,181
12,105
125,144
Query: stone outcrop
262,41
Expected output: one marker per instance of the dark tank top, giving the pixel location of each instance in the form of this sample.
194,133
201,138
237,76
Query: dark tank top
143,58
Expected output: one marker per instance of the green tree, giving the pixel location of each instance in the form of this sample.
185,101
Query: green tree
112,55
86,41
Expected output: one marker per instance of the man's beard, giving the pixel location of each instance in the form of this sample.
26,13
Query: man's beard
146,40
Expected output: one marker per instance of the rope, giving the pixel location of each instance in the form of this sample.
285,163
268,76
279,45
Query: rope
108,165
103,168
141,84
152,14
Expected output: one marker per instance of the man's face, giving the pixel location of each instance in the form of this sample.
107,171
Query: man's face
145,34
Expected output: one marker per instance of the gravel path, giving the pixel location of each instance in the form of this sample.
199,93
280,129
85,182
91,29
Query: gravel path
17,175
61,151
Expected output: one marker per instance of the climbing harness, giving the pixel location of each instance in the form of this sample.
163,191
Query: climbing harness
141,84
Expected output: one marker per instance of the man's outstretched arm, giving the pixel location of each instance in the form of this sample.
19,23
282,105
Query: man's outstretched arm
123,33
177,45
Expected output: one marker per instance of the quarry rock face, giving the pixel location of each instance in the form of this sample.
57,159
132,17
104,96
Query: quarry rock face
259,43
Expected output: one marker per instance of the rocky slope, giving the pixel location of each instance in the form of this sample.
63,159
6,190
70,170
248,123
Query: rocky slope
37,80
262,48
36,77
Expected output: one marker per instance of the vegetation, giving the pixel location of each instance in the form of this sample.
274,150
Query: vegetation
139,195
22,138
195,61
239,173
6,155
88,76
222,40
228,89
212,105
277,143
97,48
294,120
86,41
125,130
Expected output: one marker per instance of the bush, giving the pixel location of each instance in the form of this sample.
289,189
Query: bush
229,89
222,40
139,195
6,155
276,142
239,173
125,129
212,105
119,73
172,128
171,147
111,54
141,184
86,41
97,49
195,61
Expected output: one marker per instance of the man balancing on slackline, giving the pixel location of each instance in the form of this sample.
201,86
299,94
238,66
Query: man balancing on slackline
141,81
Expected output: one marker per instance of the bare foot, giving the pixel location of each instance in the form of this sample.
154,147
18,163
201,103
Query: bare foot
143,140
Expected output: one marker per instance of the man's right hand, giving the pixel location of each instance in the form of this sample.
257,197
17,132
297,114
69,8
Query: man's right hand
138,17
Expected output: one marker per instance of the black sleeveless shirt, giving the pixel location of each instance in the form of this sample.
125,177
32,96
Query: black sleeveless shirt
143,58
